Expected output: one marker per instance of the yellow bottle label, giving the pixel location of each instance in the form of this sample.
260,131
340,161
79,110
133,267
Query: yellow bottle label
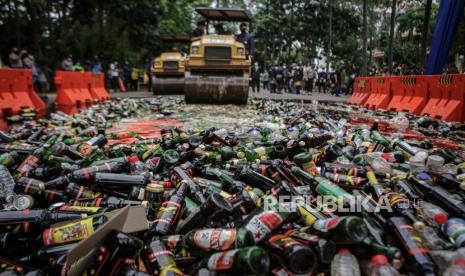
69,232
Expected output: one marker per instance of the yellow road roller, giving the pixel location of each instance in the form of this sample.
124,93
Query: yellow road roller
168,69
217,70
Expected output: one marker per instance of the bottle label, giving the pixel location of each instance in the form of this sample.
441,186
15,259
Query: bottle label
173,241
222,260
29,164
325,225
263,224
76,208
215,239
455,229
308,216
69,232
283,241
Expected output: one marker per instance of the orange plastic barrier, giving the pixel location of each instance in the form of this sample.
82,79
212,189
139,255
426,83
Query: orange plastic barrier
73,91
447,94
97,86
362,89
17,92
381,93
410,94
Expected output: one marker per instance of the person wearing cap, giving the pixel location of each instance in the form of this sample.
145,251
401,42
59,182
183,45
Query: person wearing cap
219,29
247,39
198,31
15,59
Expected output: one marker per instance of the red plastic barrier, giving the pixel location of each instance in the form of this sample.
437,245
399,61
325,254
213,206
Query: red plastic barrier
410,94
381,93
447,94
97,87
17,92
72,91
362,89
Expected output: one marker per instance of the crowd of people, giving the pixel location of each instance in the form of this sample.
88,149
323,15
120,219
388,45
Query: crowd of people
297,79
128,73
22,59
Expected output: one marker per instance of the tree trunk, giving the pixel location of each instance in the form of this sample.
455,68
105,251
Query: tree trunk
365,37
330,35
391,35
424,34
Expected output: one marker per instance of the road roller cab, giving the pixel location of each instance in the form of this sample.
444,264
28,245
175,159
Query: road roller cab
168,69
218,68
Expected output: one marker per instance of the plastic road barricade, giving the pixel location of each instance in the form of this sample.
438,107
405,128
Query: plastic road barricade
410,94
97,87
17,92
447,94
381,93
361,90
72,91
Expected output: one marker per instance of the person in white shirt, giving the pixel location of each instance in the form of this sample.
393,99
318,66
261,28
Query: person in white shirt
114,74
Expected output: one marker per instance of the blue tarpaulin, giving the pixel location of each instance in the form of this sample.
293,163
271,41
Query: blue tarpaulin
447,22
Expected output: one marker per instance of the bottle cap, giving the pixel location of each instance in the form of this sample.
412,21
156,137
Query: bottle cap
344,250
419,226
441,218
133,159
379,260
460,262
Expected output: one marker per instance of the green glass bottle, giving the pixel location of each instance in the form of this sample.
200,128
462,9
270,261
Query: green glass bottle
342,230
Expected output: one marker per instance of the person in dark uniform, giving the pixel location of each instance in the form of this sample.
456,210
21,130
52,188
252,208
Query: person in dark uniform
298,76
198,31
219,29
255,77
247,39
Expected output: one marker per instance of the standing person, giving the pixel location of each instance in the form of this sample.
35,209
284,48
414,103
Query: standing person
127,74
279,75
96,67
78,67
265,78
335,80
15,59
350,84
114,74
198,31
25,58
255,77
148,70
247,39
322,81
298,76
28,61
67,64
310,75
134,78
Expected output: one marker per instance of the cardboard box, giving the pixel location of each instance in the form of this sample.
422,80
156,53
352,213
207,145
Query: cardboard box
129,219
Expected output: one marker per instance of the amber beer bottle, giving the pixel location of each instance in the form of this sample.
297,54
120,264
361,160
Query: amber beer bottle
169,213
297,257
116,254
159,260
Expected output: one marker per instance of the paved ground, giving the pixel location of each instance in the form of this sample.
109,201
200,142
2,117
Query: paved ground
321,97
